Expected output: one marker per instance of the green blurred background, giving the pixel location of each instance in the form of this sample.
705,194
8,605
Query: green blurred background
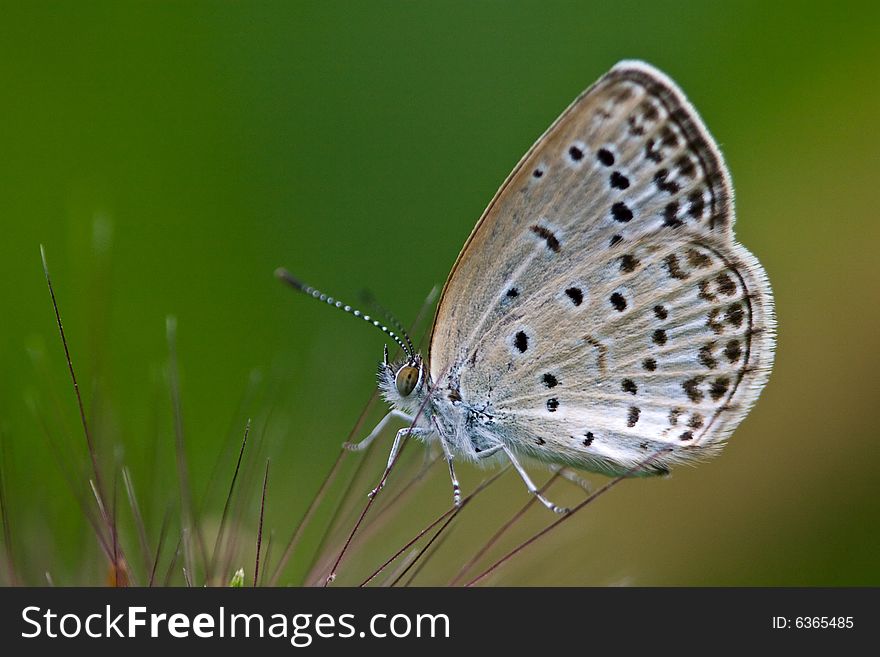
170,155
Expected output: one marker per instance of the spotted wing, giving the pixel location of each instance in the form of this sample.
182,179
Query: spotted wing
624,204
662,345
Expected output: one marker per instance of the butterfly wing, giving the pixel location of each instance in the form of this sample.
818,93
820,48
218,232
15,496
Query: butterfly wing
601,306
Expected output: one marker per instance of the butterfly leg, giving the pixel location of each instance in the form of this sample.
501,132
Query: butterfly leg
447,452
572,476
395,449
362,445
530,485
456,489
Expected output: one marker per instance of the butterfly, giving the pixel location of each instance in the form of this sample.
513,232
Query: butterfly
601,310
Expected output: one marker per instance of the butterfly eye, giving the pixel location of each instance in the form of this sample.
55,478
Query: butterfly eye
406,379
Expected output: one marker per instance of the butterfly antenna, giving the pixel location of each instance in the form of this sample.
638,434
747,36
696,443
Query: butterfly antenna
285,276
370,300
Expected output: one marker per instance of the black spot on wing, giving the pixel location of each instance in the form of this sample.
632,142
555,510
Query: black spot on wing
698,259
652,152
692,389
733,351
620,212
734,315
719,387
686,166
521,341
725,284
713,323
628,263
576,295
632,416
618,181
705,356
673,267
547,235
661,180
705,293
670,215
696,204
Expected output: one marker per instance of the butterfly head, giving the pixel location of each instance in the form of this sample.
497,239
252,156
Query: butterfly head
402,383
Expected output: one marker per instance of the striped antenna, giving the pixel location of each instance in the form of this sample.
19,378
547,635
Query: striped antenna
285,276
370,300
